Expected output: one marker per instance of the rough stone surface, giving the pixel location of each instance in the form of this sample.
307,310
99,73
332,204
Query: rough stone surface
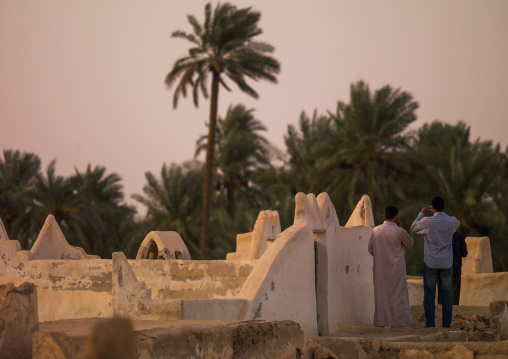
182,339
410,353
324,353
18,320
499,318
458,351
46,347
470,323
284,339
111,338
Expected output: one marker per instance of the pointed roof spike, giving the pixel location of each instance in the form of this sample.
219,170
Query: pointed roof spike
275,230
260,234
362,215
327,209
3,232
303,210
51,244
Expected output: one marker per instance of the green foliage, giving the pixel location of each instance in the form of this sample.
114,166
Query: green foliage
173,202
353,151
87,206
224,44
17,176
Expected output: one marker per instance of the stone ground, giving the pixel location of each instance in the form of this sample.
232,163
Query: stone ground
469,337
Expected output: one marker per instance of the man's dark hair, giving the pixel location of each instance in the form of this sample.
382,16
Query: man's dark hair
390,212
438,203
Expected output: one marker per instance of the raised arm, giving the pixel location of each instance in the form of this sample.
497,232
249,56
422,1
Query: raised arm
417,226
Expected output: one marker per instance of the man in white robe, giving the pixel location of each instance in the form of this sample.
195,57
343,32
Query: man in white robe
386,245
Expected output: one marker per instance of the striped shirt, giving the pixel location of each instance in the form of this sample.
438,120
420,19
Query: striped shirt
438,233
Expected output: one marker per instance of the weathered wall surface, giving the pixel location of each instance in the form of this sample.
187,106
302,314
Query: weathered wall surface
192,279
481,289
132,299
479,256
353,276
281,285
344,265
345,281
67,289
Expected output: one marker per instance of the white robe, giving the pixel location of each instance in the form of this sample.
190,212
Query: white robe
386,245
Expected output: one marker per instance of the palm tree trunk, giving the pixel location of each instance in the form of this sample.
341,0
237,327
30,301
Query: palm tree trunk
207,180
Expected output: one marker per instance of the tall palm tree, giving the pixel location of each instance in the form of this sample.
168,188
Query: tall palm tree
222,46
240,151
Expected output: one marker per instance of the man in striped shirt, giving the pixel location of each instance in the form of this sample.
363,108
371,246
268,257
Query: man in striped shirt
437,258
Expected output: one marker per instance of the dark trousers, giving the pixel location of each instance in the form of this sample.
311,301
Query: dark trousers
430,279
455,290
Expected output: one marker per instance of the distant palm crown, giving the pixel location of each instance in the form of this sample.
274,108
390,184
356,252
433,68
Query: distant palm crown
223,45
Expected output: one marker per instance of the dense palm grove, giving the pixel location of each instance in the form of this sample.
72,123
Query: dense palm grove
362,147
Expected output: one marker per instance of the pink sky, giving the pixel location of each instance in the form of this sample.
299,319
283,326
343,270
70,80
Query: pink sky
82,81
